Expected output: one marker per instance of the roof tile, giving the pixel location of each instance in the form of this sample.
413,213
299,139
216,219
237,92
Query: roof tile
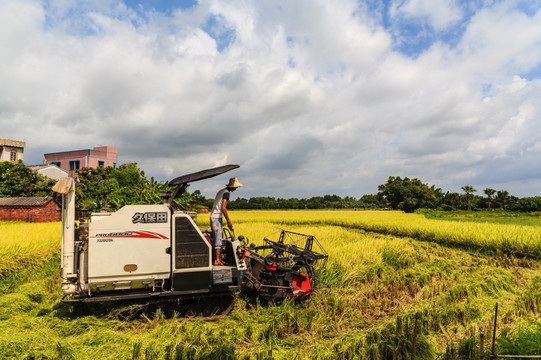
25,201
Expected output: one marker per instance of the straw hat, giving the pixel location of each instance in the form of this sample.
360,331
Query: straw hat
234,183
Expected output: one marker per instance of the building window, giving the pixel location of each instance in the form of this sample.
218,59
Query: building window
101,163
74,165
14,155
56,163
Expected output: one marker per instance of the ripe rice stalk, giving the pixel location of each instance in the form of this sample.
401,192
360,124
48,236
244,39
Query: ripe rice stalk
520,241
27,245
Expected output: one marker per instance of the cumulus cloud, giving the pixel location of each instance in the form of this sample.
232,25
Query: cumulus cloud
440,14
309,98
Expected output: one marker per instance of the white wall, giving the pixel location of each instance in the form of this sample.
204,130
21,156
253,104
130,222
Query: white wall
5,153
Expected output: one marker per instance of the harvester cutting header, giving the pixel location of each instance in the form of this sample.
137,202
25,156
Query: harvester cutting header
155,251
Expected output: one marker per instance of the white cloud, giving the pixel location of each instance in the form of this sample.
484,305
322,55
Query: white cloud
309,98
440,14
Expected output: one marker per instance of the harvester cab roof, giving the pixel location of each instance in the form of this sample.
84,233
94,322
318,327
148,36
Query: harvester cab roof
181,183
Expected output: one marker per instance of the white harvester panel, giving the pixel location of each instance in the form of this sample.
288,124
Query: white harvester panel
128,248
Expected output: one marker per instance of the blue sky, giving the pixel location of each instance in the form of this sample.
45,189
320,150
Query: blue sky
309,97
164,6
412,33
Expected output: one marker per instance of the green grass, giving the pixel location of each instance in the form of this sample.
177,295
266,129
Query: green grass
526,340
10,280
493,217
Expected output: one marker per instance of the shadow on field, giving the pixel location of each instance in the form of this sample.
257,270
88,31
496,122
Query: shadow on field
126,310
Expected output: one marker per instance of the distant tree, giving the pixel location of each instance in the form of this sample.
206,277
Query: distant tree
294,203
529,204
489,193
440,195
199,199
347,203
407,194
454,197
115,187
315,202
512,202
502,196
371,202
331,201
18,180
468,189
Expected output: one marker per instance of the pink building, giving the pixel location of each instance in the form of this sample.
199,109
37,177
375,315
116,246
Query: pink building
71,161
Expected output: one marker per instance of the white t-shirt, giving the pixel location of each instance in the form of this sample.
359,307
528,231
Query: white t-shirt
218,201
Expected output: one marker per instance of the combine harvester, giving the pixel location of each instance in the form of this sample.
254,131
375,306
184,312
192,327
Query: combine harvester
156,252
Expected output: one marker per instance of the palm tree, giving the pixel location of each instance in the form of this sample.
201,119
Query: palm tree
468,189
489,192
502,196
454,197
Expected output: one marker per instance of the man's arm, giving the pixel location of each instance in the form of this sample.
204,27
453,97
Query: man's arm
224,211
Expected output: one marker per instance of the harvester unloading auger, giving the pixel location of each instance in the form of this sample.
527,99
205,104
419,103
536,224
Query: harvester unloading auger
157,252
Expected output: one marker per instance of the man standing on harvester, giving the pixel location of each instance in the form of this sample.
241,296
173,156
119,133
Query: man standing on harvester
219,210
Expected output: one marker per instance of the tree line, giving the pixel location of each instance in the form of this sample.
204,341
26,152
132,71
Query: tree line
108,187
398,194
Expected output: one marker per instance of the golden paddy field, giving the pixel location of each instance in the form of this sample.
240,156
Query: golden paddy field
384,268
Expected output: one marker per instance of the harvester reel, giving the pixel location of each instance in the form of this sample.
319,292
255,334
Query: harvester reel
287,267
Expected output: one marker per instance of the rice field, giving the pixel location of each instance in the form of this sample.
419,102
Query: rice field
522,241
384,268
24,248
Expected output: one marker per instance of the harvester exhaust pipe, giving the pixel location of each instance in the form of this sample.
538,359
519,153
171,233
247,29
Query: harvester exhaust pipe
66,187
166,196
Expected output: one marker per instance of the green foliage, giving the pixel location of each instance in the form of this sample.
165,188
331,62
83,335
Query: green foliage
529,204
489,193
503,196
371,202
493,216
465,348
17,180
468,189
316,202
108,187
407,194
102,187
525,340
